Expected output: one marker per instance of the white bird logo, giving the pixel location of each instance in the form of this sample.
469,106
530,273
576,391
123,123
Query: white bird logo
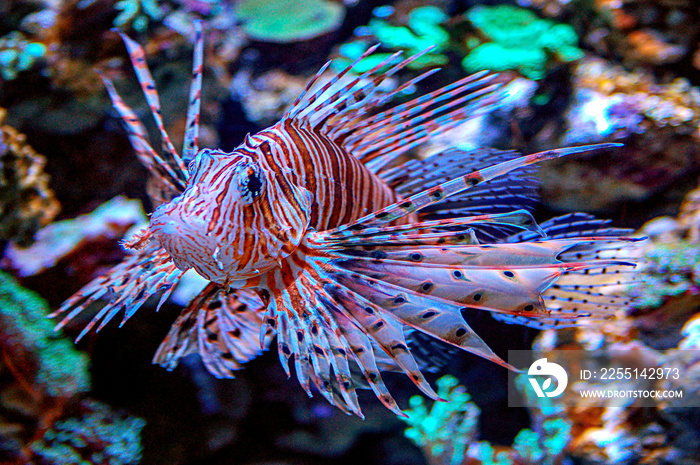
542,367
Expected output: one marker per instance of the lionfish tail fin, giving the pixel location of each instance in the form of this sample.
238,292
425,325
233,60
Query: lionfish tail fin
147,272
221,326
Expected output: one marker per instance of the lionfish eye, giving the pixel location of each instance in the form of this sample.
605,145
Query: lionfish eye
251,183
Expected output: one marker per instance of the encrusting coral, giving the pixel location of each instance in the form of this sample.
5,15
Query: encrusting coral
284,21
96,435
26,201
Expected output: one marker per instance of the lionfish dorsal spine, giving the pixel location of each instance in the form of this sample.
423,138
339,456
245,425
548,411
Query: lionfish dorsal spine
449,188
148,85
157,166
190,145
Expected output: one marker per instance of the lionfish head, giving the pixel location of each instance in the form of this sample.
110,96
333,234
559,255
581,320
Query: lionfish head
230,222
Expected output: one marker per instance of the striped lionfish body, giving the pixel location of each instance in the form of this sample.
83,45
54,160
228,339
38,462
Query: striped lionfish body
312,231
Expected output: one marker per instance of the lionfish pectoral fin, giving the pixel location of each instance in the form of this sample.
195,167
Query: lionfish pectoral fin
428,275
140,276
326,340
222,327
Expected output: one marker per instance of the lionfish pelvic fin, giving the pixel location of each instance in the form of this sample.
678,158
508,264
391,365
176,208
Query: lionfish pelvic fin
221,326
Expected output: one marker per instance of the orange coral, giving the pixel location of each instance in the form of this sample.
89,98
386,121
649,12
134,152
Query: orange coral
26,202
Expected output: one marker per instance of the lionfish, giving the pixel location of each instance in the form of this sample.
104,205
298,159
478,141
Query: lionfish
313,231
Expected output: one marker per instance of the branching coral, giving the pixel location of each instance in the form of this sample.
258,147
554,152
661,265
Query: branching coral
26,202
445,431
97,435
448,432
515,38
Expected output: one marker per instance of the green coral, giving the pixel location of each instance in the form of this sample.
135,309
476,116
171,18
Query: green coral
62,371
18,54
448,428
138,13
671,269
488,456
543,447
518,40
448,431
97,436
423,31
530,63
284,21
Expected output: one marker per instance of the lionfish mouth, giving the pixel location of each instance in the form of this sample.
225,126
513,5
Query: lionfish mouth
167,232
139,240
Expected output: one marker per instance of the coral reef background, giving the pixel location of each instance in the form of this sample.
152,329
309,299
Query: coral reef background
574,71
